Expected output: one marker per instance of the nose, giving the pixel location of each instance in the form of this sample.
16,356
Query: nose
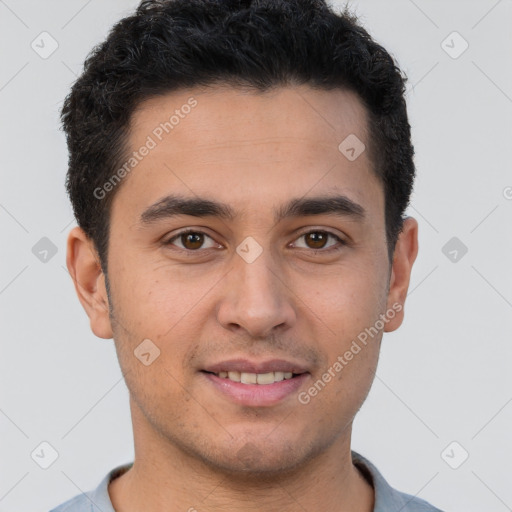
256,298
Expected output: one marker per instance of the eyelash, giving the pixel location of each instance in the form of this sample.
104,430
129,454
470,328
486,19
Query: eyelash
191,252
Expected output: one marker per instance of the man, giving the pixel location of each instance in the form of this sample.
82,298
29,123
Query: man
239,173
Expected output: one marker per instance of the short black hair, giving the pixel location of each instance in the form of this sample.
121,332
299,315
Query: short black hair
171,45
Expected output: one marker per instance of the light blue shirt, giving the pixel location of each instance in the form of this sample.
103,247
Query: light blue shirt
387,499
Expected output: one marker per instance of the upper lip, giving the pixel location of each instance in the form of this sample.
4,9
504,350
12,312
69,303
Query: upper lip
247,366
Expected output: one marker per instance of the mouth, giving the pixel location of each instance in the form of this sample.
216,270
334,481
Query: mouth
256,384
255,378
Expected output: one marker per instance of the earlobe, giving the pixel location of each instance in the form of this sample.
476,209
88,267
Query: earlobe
85,270
405,253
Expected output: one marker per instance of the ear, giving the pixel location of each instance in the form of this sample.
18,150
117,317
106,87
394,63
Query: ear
83,264
405,253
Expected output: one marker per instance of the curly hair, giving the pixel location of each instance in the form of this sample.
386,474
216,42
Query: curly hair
170,45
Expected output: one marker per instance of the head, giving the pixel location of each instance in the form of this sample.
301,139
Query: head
231,119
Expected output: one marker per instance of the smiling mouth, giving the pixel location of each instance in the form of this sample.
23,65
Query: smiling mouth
255,378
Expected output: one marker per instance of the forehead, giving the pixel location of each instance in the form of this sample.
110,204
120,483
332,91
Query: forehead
249,149
220,112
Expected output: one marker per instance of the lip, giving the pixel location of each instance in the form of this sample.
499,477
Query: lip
256,395
246,366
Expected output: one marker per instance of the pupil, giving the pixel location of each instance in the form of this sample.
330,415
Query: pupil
320,238
193,238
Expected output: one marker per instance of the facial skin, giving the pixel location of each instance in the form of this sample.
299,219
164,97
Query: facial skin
194,447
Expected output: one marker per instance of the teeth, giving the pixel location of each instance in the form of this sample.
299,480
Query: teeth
248,378
256,378
234,376
278,376
265,378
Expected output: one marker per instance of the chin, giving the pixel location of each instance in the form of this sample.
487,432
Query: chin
260,458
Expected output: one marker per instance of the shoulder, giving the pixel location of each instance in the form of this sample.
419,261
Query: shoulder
388,499
97,500
409,503
79,503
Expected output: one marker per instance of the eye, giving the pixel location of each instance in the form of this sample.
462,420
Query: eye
317,240
190,240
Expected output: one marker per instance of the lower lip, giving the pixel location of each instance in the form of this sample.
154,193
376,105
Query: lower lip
257,394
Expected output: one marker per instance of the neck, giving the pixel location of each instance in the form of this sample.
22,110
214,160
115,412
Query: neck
165,477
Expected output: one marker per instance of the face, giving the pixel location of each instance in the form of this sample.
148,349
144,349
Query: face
281,271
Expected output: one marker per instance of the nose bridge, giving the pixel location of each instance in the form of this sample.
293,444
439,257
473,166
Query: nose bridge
258,279
256,300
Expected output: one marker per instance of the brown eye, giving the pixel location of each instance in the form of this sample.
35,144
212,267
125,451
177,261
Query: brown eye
191,240
316,239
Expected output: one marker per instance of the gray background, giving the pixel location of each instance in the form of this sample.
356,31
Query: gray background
444,376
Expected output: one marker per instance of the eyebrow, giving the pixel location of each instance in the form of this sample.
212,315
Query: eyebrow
175,205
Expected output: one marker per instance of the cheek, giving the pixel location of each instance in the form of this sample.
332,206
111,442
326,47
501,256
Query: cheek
152,344
158,304
347,307
151,297
346,301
